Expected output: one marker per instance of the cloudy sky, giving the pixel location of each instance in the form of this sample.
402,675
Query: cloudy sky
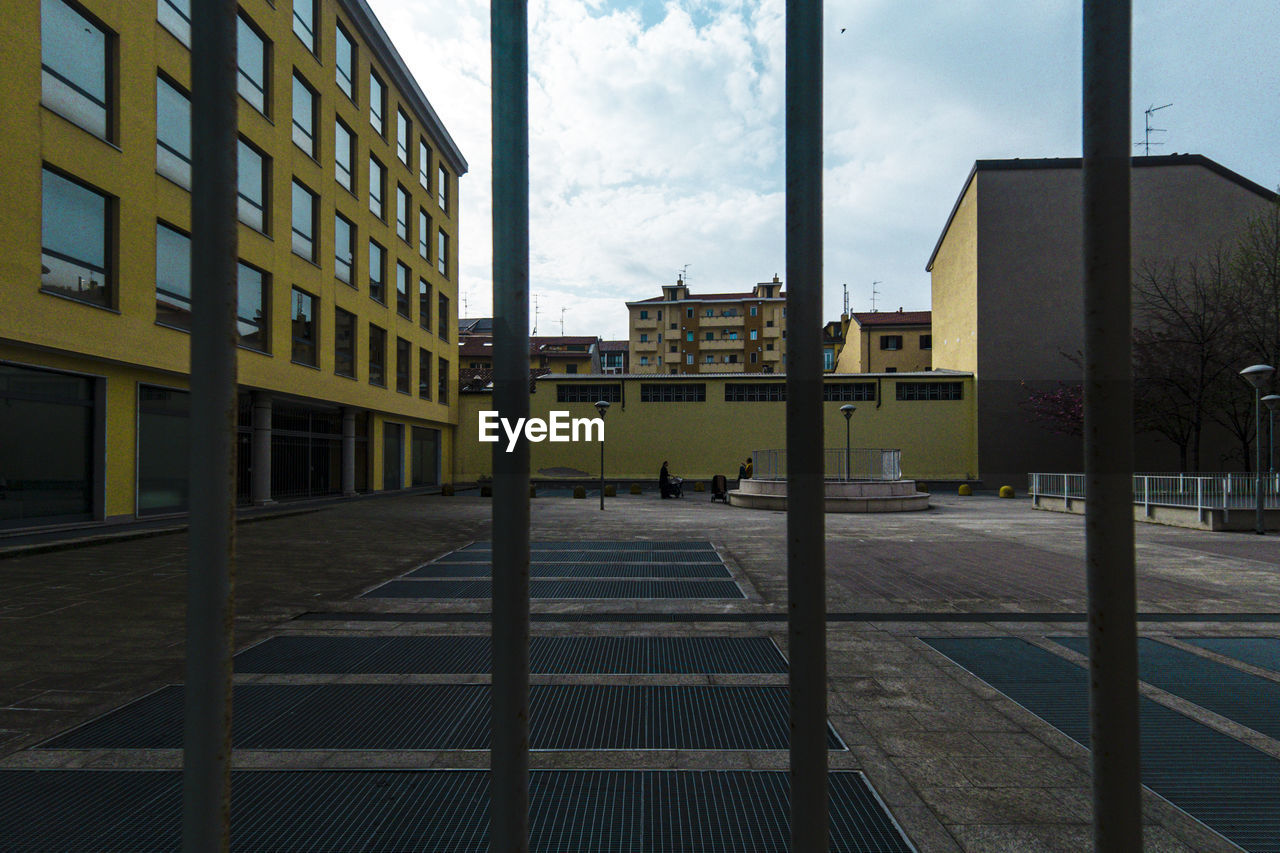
657,129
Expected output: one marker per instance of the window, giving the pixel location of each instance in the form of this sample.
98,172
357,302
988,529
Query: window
828,359
175,16
424,234
377,102
732,358
571,368
710,359
644,338
891,370
755,357
755,310
344,343
303,319
252,181
402,290
75,231
848,392
710,312
344,248
926,342
251,65
768,346
252,301
424,165
659,313
768,324
688,336
377,355
377,271
588,393
442,189
675,326
344,155
377,182
755,334
890,342
688,358
644,315
403,351
404,203
644,361
173,277
442,382
442,253
424,304
304,22
710,336
673,392
304,221
304,115
424,374
674,348
173,133
733,336
755,392
404,135
75,67
688,313
442,318
344,60
930,390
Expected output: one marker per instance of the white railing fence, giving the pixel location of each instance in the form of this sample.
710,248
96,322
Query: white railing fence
857,463
1203,491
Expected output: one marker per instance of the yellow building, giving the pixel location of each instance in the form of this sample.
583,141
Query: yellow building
563,354
680,332
348,241
886,342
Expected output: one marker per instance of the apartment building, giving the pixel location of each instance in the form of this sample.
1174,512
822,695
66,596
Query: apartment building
348,236
679,332
560,354
884,342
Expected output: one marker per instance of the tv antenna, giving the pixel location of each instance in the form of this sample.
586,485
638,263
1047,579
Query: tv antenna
465,312
562,322
846,298
535,314
1146,142
684,273
874,294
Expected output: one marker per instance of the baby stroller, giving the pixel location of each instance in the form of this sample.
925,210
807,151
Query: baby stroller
720,488
676,487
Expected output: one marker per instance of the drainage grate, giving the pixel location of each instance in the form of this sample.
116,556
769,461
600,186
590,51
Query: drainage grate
547,655
562,589
1227,785
601,558
456,716
606,545
439,810
1262,652
1248,699
626,569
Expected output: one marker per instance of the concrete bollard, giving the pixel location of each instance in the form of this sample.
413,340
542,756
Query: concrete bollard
579,491
964,491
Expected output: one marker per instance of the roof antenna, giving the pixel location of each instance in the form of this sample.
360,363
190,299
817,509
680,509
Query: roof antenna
1146,142
562,322
846,298
535,315
874,294
684,273
465,312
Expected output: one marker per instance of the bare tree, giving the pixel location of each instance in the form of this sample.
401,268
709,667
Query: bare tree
1256,270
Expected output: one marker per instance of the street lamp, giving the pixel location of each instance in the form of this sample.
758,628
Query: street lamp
602,406
847,410
1272,402
1257,375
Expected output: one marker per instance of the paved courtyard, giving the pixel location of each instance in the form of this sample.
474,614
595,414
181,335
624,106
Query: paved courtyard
959,764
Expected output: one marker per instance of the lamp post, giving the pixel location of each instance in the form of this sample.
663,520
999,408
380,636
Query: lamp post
602,406
1257,376
847,410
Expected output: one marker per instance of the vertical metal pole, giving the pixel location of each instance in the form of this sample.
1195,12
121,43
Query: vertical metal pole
1108,444
847,475
260,482
509,755
602,467
1259,526
806,561
206,809
348,452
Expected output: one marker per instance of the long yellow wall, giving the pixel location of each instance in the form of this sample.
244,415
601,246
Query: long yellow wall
955,288
937,438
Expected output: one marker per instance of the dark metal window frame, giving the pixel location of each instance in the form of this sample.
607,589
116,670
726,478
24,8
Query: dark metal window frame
673,392
913,391
612,392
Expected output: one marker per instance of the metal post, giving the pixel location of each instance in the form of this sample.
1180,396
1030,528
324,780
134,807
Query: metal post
509,750
260,482
348,452
1108,398
206,745
806,546
1260,526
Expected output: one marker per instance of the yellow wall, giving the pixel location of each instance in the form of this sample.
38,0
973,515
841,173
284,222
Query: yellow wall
955,288
937,438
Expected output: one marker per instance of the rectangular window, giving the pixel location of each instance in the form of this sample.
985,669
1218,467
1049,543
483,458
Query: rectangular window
404,203
377,103
344,343
688,336
304,221
175,16
404,136
403,351
644,315
848,392
644,361
304,22
75,231
688,313
930,390
710,313
252,301
424,304
926,342
377,185
755,334
252,180
344,249
755,310
828,359
754,357
710,336
402,290
644,339
377,355
164,447
173,133
424,235
731,359
251,65
733,336
424,374
755,392
303,319
173,277
442,382
891,342
344,61
442,317
304,115
75,67
377,272
711,359
442,253
424,165
688,358
344,155
673,392
588,393
442,189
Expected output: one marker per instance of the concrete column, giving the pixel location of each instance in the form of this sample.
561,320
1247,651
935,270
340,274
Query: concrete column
260,481
348,452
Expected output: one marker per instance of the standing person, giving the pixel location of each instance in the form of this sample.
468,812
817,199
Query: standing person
664,480
749,467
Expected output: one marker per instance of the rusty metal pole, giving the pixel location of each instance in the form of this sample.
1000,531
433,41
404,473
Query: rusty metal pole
1108,440
206,810
806,548
509,749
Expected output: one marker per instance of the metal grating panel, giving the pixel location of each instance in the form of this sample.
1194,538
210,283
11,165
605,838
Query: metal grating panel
606,545
472,654
613,569
1262,652
456,716
950,616
603,558
1225,784
444,811
562,589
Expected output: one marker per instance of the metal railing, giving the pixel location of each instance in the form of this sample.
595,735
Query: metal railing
858,463
1202,492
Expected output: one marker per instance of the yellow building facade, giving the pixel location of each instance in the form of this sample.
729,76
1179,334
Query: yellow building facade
886,342
348,235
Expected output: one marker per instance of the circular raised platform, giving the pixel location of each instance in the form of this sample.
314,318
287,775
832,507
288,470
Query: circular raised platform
841,495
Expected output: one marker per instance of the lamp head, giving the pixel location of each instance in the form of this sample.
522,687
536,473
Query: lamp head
1272,402
848,409
602,406
1258,374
